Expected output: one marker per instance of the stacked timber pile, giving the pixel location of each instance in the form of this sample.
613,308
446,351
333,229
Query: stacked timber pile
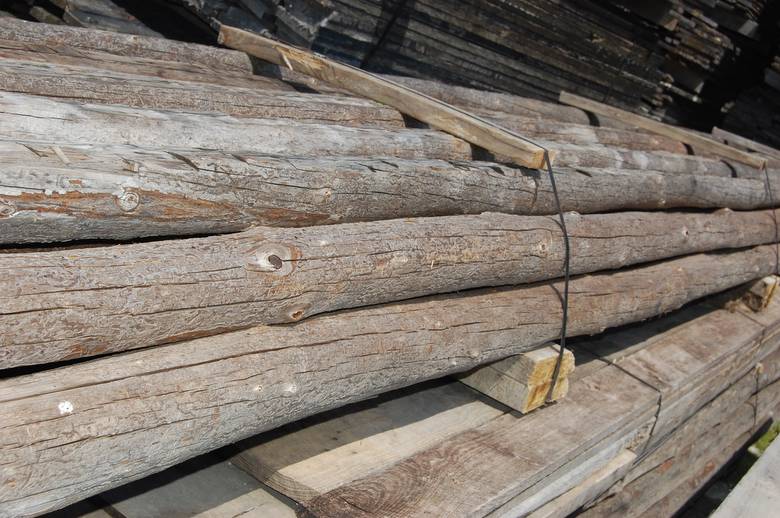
97,14
680,60
756,112
194,254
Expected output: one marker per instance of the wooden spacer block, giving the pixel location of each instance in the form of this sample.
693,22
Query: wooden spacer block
760,293
522,381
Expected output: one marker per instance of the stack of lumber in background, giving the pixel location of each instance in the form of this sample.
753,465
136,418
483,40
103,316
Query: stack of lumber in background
163,211
754,113
682,60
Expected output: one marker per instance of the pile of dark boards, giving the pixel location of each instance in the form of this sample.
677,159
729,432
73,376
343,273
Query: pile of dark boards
684,61
193,254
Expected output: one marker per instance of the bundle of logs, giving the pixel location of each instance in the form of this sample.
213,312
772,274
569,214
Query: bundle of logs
194,254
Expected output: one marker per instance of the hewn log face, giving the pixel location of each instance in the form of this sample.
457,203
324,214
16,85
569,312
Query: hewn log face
124,193
35,118
83,84
125,45
68,304
65,431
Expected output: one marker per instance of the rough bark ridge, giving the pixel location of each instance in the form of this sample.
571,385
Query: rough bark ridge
100,192
74,303
82,84
65,431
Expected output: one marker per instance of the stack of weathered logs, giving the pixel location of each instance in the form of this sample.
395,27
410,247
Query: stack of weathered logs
158,199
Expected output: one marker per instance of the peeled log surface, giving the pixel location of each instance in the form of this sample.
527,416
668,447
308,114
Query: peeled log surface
85,84
73,432
123,192
125,45
74,303
33,118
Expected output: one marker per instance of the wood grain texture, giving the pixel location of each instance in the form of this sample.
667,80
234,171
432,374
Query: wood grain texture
75,303
598,482
103,60
408,101
311,457
88,193
81,421
730,416
27,117
682,134
674,355
85,84
487,464
90,40
522,382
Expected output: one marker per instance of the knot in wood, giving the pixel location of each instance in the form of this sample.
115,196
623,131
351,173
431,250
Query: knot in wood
128,201
273,258
7,209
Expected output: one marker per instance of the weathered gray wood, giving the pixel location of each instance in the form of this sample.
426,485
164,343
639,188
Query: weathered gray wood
581,134
91,40
127,410
570,155
523,382
74,303
685,451
701,142
34,118
308,459
682,362
47,198
85,84
448,479
698,473
478,470
599,481
758,492
672,343
428,109
474,99
63,54
205,487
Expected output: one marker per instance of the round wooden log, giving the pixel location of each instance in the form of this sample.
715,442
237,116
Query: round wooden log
158,68
75,431
90,192
33,118
88,40
74,303
83,84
